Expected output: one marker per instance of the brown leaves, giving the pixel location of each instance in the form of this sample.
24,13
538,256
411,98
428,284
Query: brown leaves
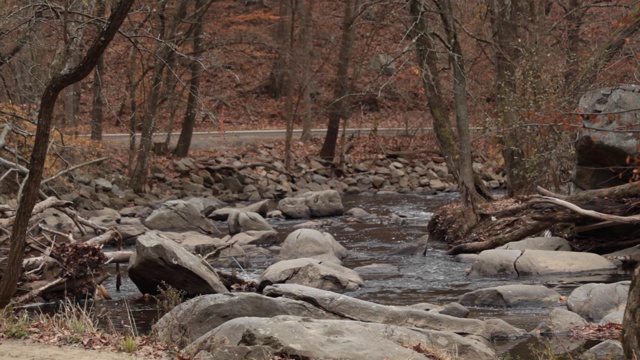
594,331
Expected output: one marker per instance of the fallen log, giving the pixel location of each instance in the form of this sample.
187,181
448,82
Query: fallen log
38,208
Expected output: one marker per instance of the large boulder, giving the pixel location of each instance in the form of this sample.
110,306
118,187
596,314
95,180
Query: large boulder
606,350
193,318
158,261
351,308
179,216
241,221
517,295
560,321
310,243
595,301
537,262
319,274
303,338
312,204
602,150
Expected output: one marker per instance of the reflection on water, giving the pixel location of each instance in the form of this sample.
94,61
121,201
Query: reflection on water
434,278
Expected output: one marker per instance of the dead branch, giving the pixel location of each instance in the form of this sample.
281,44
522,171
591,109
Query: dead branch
104,238
68,170
633,219
521,232
38,208
35,292
82,221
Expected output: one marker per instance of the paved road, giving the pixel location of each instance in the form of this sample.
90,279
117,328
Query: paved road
236,138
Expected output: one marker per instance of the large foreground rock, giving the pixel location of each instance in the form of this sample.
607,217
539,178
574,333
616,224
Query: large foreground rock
193,318
312,204
295,337
179,216
351,308
560,321
159,260
595,301
319,274
537,262
309,243
511,296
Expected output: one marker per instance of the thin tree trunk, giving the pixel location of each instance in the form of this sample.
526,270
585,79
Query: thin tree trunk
186,133
468,192
287,86
97,116
338,108
55,85
305,63
277,74
428,63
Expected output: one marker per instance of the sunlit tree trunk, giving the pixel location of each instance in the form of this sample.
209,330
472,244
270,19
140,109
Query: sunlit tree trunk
338,108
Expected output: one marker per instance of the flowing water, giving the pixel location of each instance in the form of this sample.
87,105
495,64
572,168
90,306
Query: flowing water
406,279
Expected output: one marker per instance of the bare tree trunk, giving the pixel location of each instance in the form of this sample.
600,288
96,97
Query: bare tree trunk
469,195
631,322
338,108
97,116
186,133
54,86
276,77
287,85
163,54
428,63
305,63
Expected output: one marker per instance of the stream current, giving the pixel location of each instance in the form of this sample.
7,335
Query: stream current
406,279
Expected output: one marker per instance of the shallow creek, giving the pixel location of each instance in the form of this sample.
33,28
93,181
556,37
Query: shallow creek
435,278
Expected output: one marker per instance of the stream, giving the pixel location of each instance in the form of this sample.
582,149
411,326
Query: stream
406,279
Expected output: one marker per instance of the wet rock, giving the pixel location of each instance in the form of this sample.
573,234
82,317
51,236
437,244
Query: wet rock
452,309
256,237
296,337
595,301
311,243
179,216
552,243
559,321
241,221
511,296
537,262
158,260
360,310
312,204
378,271
499,329
495,262
606,350
325,275
194,318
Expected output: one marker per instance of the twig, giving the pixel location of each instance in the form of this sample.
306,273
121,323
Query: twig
91,162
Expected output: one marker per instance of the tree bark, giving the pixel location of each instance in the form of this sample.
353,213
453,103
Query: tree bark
338,108
305,63
54,86
631,322
186,133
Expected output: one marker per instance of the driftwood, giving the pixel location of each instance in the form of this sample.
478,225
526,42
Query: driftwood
587,215
38,208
